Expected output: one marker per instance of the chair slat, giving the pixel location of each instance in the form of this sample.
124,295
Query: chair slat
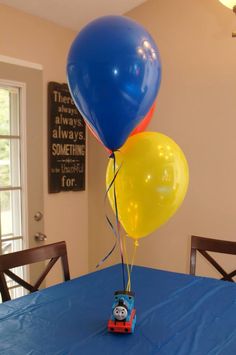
50,252
45,272
231,274
33,255
202,245
20,281
214,263
4,289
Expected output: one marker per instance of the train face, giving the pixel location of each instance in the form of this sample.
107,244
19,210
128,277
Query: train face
123,317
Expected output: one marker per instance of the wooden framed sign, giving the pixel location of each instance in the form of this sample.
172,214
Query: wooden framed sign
66,141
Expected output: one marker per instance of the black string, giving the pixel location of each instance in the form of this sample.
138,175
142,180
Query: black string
117,222
115,230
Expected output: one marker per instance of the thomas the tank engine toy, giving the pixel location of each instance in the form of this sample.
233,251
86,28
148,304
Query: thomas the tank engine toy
123,317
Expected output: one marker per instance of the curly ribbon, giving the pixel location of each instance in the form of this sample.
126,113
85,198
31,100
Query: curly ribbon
130,265
109,221
116,231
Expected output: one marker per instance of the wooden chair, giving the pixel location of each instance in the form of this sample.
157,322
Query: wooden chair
202,245
30,256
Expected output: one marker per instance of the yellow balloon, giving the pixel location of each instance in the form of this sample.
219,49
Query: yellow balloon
151,183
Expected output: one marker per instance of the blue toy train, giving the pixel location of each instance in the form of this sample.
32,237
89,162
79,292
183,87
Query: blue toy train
123,317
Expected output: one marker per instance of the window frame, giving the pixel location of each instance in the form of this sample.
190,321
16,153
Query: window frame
21,88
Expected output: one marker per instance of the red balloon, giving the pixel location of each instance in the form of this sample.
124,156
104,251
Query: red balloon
139,128
145,122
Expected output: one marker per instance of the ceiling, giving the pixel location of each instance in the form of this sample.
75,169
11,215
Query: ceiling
73,14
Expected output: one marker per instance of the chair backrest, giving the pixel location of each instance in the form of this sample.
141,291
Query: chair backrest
29,256
202,245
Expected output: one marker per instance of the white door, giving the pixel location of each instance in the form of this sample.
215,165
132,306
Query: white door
21,163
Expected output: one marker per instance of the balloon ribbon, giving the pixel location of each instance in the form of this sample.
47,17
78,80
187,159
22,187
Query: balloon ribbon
130,265
116,230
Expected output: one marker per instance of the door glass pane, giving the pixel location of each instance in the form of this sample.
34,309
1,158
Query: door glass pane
5,179
10,202
9,162
9,246
17,291
9,112
4,112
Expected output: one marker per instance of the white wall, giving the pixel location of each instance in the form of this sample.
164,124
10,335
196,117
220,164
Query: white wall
32,39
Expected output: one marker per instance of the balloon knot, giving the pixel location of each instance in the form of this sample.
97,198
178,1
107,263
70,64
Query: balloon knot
136,243
112,155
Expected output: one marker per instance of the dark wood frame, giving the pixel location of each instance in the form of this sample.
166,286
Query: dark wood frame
202,245
29,256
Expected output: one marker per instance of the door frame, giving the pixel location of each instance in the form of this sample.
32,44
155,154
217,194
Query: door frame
24,142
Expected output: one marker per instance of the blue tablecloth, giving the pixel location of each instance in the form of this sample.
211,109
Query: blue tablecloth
176,314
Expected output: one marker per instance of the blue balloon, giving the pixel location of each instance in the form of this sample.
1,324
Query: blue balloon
114,74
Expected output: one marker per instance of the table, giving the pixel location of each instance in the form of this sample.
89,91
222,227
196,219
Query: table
176,314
